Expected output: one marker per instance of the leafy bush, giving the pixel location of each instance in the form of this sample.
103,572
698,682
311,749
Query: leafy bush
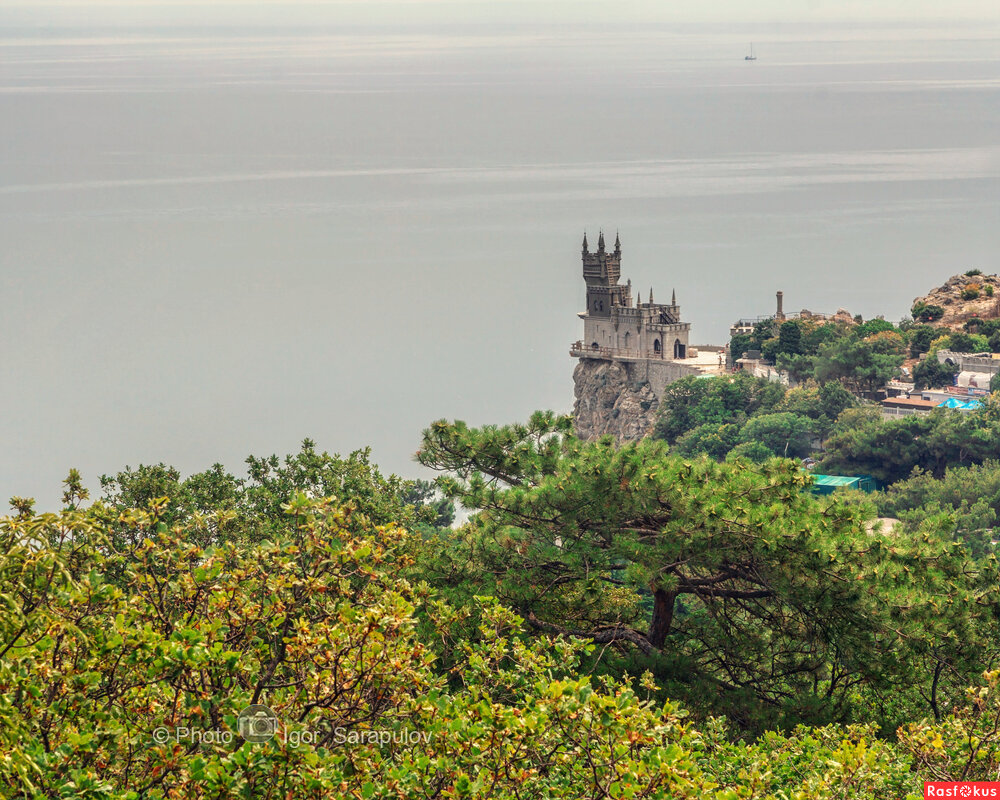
785,434
752,451
970,292
922,312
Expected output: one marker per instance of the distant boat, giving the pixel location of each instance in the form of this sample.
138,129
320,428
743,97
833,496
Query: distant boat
750,57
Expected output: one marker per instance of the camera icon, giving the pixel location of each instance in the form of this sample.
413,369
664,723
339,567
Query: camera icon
257,723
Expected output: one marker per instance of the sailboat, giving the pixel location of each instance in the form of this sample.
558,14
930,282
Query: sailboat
750,57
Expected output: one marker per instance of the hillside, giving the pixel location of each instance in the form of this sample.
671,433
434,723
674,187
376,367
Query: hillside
959,299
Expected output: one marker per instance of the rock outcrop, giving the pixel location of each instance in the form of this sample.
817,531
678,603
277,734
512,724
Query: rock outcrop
962,297
610,401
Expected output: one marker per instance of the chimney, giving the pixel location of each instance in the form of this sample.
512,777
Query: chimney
781,313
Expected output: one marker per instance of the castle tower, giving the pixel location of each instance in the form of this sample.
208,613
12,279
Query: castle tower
626,349
601,271
613,325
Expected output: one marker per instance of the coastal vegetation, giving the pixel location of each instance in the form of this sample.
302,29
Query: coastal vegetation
678,616
612,622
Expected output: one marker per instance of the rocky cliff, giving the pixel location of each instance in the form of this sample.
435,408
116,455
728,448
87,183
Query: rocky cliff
962,297
610,400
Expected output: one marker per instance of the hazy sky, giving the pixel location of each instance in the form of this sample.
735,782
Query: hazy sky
226,228
625,11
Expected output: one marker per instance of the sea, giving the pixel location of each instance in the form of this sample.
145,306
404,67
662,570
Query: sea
220,240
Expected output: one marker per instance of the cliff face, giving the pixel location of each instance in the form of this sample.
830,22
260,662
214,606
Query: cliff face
610,400
964,296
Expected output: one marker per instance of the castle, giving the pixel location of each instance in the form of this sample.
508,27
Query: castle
615,328
630,351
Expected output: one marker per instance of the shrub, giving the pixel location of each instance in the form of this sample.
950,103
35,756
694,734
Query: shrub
970,292
752,451
926,313
973,272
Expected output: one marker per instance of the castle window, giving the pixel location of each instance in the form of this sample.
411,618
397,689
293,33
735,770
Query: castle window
679,349
656,345
626,340
594,345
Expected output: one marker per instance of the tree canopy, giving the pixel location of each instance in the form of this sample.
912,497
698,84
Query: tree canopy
733,581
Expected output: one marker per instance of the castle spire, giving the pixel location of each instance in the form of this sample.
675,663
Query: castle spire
618,245
651,295
673,297
585,250
600,242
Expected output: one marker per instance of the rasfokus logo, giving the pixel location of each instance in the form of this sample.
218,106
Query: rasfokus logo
961,789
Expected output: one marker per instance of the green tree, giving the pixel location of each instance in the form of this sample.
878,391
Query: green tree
822,404
922,312
931,373
790,338
785,434
968,496
711,439
890,449
694,401
962,342
858,364
739,344
752,451
919,338
719,575
873,326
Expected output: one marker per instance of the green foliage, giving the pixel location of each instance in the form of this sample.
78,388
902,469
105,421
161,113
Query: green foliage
931,373
972,272
235,508
873,326
790,338
711,439
860,364
785,434
752,451
784,607
821,404
720,410
970,292
734,586
962,342
889,450
922,312
739,344
919,338
693,401
968,496
420,494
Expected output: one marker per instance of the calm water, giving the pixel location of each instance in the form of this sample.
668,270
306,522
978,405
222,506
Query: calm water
218,243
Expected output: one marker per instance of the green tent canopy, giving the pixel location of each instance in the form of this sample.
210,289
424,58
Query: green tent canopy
827,484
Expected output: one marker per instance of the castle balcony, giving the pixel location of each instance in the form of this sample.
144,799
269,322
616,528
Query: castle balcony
579,350
669,327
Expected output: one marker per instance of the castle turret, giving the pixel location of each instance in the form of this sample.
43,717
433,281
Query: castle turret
624,345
